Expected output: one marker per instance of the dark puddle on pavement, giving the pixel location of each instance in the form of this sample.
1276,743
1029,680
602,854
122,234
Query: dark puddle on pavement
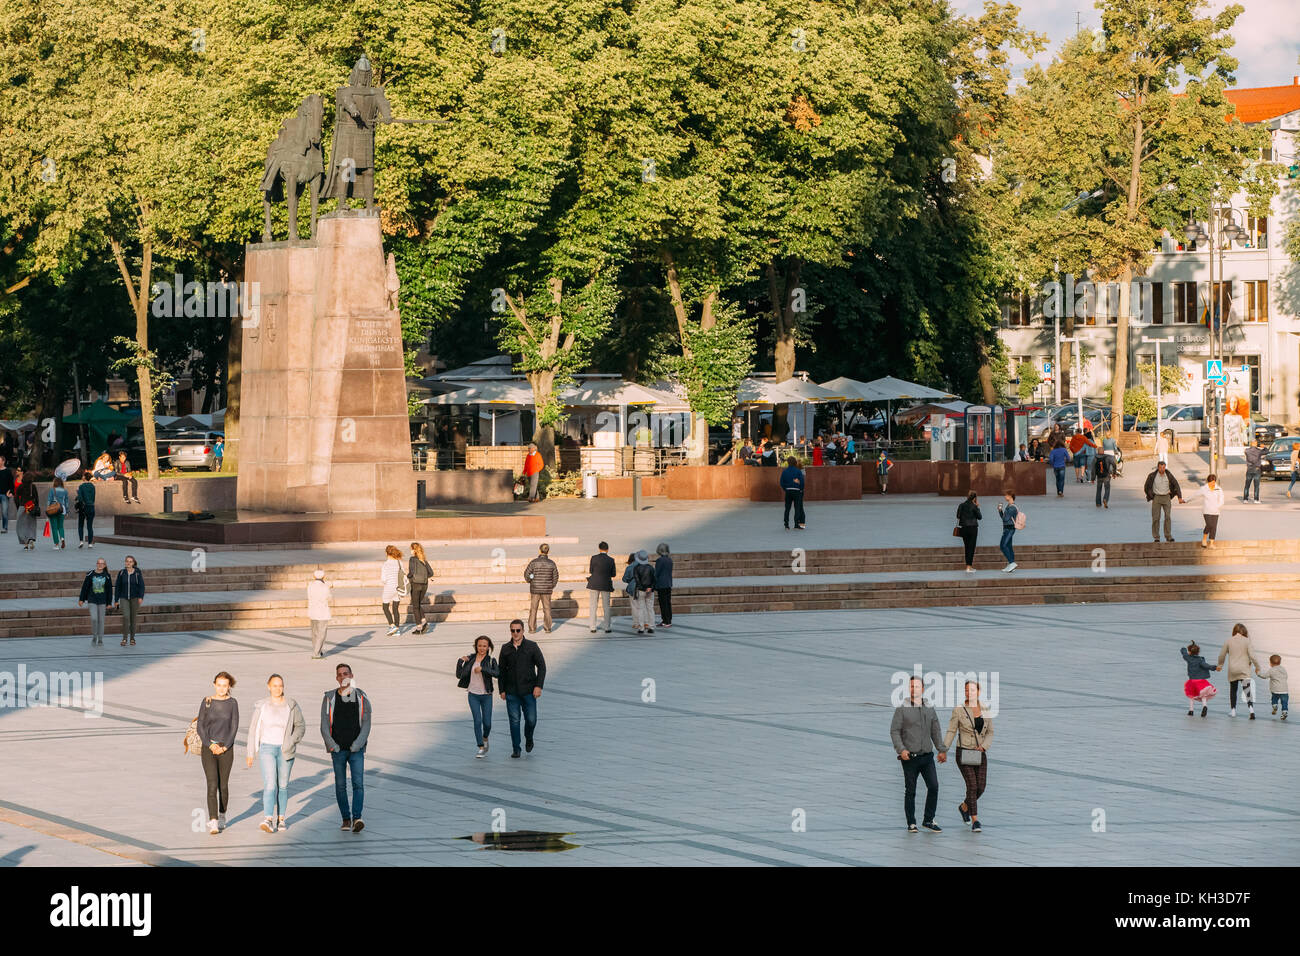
532,841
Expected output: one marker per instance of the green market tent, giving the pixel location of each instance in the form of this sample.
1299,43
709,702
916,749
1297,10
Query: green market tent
100,418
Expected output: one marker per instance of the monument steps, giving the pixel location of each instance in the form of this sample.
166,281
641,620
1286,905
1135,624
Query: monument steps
805,593
573,568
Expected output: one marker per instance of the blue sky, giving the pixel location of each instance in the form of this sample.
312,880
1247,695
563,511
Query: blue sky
1267,33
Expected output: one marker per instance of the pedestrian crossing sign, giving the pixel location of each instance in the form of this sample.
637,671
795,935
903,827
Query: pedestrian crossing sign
1214,370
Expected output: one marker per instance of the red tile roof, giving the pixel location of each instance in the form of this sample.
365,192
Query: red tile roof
1261,103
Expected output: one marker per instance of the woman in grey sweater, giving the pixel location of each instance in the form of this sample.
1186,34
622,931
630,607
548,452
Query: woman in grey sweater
218,724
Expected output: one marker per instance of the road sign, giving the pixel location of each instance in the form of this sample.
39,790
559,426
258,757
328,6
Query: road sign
1214,370
1047,368
1219,392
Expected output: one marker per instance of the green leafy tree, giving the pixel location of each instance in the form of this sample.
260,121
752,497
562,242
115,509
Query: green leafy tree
1100,153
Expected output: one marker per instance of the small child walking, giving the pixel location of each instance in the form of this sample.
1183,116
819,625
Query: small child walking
1198,686
1277,686
883,464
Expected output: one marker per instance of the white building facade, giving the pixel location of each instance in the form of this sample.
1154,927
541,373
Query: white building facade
1256,283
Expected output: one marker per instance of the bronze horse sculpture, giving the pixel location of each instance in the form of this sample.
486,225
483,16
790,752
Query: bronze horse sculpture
295,160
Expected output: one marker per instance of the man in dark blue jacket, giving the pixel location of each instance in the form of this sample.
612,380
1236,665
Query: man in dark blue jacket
664,585
792,483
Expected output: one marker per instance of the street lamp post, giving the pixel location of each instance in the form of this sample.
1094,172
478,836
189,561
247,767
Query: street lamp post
1078,375
1159,381
1194,233
1056,321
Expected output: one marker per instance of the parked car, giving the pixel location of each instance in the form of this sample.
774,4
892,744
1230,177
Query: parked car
1268,431
191,450
1189,420
1277,459
1097,418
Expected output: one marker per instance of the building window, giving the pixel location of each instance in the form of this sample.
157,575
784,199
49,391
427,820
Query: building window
1016,309
1154,293
1223,308
1185,303
1256,236
1256,300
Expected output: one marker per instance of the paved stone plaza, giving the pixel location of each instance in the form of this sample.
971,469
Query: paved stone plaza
754,716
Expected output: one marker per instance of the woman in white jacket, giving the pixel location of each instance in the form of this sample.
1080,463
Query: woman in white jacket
1211,503
273,735
390,576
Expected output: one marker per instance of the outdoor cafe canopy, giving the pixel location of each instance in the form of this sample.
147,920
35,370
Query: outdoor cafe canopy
887,390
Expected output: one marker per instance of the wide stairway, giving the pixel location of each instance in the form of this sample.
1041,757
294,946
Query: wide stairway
273,596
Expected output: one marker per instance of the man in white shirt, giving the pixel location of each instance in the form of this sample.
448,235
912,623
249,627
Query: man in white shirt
318,612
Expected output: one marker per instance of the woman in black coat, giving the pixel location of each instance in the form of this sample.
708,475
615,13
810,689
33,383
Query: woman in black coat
968,524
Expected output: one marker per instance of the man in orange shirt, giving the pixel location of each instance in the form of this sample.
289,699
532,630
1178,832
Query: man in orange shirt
532,469
1076,445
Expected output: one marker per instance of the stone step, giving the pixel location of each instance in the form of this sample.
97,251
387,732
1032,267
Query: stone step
573,569
810,593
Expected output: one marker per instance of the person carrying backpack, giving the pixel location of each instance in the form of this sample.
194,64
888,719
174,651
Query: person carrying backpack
1013,519
1103,469
643,584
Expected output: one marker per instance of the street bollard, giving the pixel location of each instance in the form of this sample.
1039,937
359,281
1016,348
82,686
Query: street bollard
420,500
168,491
636,492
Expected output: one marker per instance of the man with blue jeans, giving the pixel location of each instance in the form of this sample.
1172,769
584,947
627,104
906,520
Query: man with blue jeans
521,672
345,724
1057,460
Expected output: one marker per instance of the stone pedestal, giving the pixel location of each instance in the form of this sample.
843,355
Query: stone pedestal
324,425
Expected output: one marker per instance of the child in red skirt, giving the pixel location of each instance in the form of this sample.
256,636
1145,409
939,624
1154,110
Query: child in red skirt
1198,686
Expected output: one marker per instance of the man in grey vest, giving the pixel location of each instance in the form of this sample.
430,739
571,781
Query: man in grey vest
913,730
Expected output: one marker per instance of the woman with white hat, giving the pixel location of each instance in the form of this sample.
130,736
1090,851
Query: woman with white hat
318,612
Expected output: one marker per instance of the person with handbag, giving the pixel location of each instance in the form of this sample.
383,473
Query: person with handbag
28,509
85,505
274,732
913,730
973,729
419,574
968,528
217,727
474,673
129,594
600,585
390,576
97,593
56,510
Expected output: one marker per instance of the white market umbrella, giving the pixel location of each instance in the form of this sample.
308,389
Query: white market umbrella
490,393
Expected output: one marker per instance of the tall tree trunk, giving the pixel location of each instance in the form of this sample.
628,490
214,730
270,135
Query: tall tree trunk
1119,378
697,446
987,389
781,291
140,303
543,383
